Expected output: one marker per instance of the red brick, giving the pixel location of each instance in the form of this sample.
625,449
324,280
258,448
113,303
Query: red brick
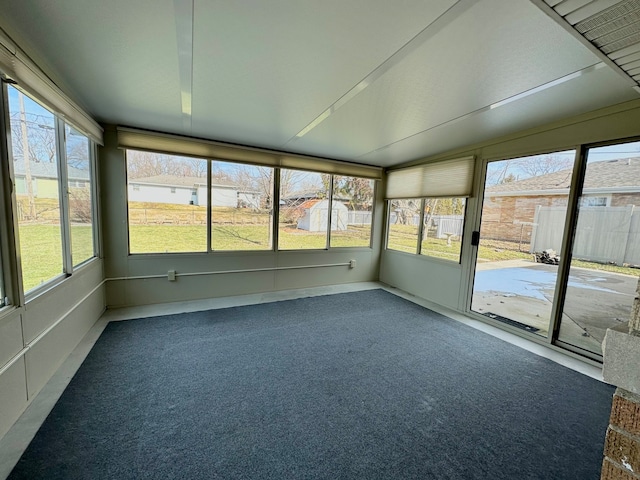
623,449
613,472
625,414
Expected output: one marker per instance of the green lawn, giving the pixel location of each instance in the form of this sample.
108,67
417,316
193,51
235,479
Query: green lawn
228,237
41,250
404,238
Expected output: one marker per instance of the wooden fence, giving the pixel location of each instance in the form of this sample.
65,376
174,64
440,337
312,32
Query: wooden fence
603,234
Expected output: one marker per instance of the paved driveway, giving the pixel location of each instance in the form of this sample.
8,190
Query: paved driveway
523,291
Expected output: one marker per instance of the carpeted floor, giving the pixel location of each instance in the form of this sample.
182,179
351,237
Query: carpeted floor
360,385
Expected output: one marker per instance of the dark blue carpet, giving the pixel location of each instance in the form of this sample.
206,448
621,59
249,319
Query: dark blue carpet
356,386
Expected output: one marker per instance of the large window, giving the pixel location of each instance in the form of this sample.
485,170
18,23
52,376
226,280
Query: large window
438,222
241,206
351,211
426,207
169,195
605,256
403,225
304,210
52,167
78,149
167,202
442,227
37,187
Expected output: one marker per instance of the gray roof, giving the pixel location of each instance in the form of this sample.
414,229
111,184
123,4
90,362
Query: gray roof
48,170
607,174
175,181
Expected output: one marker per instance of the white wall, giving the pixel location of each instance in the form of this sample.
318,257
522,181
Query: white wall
448,283
160,194
28,358
251,199
147,291
223,196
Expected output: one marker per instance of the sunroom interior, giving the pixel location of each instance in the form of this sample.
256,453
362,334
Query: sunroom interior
480,157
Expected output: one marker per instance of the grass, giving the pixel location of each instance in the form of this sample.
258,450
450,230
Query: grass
240,230
404,238
193,238
41,251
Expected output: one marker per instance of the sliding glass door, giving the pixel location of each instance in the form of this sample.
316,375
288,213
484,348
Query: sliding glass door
605,256
523,215
567,283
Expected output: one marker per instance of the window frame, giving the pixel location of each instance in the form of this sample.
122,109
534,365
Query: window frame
421,227
374,196
275,210
8,290
272,224
128,184
329,205
12,252
93,195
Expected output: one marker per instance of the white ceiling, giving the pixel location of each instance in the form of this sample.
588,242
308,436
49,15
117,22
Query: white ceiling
370,81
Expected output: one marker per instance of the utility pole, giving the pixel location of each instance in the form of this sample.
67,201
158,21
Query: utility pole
26,159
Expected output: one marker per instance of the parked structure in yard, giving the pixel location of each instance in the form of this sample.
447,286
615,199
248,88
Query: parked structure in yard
314,215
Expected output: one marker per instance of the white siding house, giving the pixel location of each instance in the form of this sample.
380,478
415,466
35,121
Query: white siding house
188,191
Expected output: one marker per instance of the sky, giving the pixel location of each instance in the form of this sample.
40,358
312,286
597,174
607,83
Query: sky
496,170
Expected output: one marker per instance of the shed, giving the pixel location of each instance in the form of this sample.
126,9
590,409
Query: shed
315,213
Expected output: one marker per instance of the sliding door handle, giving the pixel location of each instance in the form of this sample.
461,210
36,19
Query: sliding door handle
475,239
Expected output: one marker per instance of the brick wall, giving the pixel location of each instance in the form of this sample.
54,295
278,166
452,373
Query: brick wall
502,217
624,199
622,444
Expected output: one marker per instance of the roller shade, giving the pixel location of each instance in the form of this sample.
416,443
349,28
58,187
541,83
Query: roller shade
450,178
178,145
17,67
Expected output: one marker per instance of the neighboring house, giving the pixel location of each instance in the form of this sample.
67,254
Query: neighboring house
190,191
44,178
509,209
249,199
315,214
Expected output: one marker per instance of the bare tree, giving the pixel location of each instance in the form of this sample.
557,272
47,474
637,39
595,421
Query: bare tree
506,171
543,165
405,210
148,164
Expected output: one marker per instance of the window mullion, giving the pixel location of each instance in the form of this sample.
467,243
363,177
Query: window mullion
209,206
63,192
10,276
329,210
275,208
95,203
421,227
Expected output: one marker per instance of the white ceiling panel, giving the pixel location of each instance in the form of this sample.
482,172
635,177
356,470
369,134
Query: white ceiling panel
598,88
370,81
263,70
495,50
119,58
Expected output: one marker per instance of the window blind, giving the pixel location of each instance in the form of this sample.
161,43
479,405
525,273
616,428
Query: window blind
179,145
449,178
18,68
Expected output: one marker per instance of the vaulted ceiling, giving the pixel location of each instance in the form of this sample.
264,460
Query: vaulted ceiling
369,81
